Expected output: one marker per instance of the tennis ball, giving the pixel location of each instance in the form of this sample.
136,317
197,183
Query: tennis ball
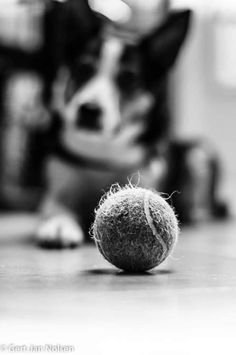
135,229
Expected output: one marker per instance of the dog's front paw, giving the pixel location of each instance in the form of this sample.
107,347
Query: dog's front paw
59,232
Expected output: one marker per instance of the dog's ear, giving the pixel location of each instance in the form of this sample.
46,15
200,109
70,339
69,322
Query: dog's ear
80,17
67,25
163,45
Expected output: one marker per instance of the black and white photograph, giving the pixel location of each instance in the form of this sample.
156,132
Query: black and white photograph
117,177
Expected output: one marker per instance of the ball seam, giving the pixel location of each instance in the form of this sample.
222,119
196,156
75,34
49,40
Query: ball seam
151,224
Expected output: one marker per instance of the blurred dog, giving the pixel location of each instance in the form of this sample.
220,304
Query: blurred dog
109,94
106,90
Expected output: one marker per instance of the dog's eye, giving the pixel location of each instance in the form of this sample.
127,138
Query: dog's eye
83,71
128,80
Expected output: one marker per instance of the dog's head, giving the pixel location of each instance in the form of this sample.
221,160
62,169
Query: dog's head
107,79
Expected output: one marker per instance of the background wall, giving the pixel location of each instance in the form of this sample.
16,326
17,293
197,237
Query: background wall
204,85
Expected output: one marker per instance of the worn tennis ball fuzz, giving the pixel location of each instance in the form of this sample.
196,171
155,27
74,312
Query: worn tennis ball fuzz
135,229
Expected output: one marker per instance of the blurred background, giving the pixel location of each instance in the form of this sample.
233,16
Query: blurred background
202,85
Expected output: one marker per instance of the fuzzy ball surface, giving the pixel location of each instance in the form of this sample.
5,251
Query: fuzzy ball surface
135,229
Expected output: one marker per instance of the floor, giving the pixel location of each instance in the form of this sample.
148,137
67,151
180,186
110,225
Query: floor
76,302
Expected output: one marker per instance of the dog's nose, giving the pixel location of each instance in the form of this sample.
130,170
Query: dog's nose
88,116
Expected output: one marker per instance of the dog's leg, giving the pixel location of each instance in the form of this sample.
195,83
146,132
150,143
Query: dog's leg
199,185
75,193
60,226
204,165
